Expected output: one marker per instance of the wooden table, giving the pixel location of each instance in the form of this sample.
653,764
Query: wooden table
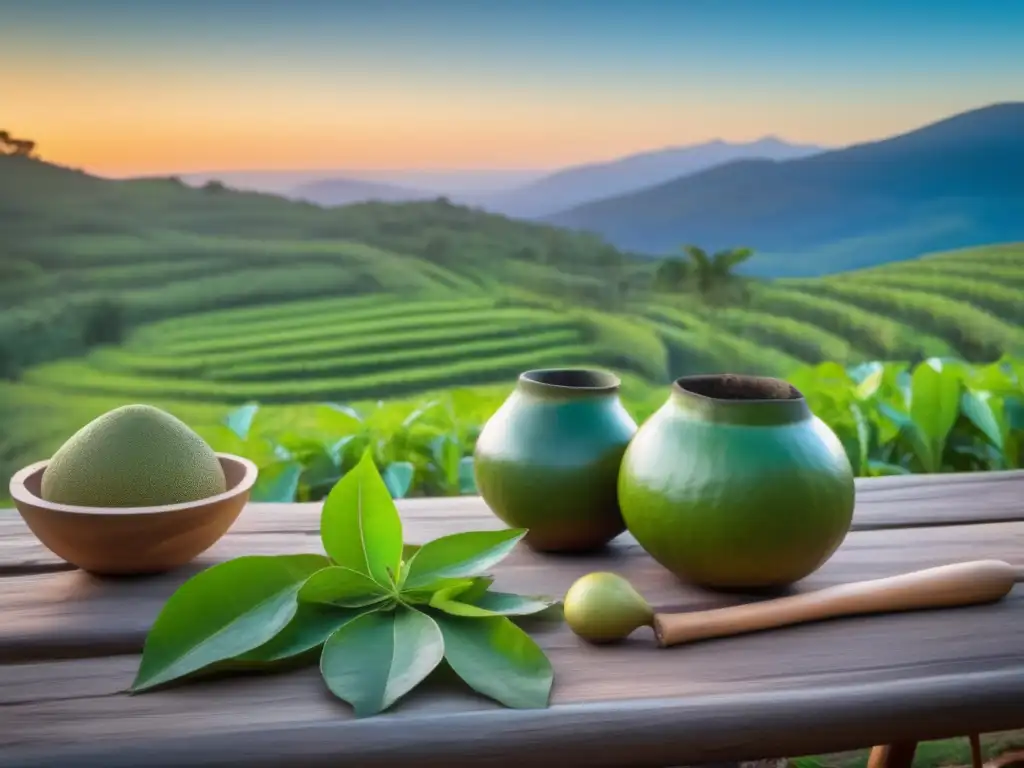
69,647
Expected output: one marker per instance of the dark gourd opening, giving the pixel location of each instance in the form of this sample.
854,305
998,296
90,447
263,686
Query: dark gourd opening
729,386
582,379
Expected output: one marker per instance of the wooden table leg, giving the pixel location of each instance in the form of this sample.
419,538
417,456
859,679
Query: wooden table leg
976,759
898,755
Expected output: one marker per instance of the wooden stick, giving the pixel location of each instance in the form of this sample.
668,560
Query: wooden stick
899,755
976,759
979,581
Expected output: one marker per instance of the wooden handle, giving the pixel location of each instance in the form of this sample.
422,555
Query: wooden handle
979,581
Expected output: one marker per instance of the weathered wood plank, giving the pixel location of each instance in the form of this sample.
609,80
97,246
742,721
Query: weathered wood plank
70,613
884,502
847,683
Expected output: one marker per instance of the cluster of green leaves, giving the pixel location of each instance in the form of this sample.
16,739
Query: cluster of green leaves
427,447
380,613
942,415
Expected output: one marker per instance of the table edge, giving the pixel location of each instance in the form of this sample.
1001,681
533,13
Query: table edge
640,732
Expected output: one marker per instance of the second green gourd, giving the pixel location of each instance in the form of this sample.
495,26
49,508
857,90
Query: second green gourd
734,484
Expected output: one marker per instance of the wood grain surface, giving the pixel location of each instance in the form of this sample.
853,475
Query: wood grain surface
68,645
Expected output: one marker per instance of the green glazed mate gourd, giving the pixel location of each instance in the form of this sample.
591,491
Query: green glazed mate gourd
734,484
548,459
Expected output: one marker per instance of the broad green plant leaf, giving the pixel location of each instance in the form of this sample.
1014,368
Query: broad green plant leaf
338,419
882,468
278,482
309,628
934,406
467,479
223,612
340,586
460,555
359,525
398,478
490,604
425,594
978,410
377,658
498,659
908,429
240,420
476,589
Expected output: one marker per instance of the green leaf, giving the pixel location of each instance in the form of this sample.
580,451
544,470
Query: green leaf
460,555
911,433
338,419
223,612
425,594
870,379
360,526
934,406
240,420
497,659
337,585
398,477
311,625
377,658
882,468
975,406
467,479
490,604
477,589
278,482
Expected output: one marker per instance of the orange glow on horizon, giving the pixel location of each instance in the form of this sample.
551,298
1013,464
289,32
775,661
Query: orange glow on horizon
125,125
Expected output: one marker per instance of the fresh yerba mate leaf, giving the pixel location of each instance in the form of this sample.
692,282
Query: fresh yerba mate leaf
359,525
498,659
460,555
223,612
466,590
425,595
309,628
382,614
490,604
375,659
337,585
479,588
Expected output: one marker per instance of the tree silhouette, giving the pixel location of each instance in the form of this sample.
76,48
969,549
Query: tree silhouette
671,274
715,272
11,146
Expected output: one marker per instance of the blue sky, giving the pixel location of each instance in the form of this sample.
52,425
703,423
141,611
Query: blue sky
494,82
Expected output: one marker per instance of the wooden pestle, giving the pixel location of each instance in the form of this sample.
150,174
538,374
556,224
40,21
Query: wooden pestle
969,583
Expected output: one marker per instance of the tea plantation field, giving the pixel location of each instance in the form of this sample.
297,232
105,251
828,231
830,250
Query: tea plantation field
201,300
435,331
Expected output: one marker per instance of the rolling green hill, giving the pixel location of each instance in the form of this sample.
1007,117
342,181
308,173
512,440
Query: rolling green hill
199,300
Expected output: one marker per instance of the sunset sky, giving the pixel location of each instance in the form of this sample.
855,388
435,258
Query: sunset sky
151,86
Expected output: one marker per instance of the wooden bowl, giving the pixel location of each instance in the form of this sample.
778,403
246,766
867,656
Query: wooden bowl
132,540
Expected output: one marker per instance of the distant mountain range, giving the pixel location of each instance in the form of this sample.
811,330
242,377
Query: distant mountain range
806,209
583,183
564,188
348,191
956,182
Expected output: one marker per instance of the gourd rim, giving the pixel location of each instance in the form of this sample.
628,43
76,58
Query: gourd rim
567,381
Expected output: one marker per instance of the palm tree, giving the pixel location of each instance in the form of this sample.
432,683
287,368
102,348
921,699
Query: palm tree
715,271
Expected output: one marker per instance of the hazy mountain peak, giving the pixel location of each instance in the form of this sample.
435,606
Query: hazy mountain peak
591,181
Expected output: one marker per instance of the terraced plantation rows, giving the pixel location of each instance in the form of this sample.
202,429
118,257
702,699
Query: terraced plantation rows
333,349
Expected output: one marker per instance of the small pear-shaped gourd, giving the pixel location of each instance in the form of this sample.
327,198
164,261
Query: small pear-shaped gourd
603,607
